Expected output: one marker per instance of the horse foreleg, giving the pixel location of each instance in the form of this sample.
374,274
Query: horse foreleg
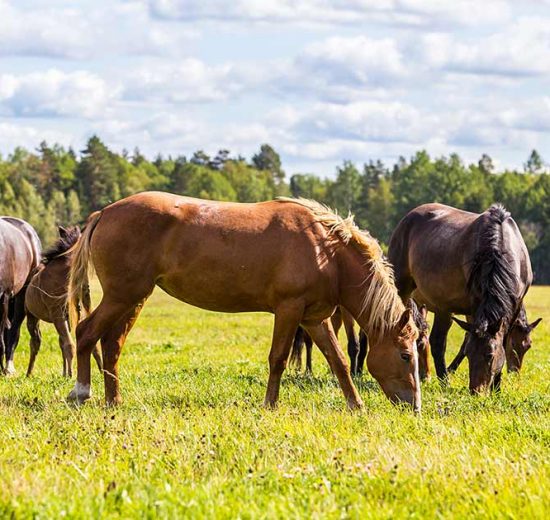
363,349
326,340
17,315
287,319
438,342
453,367
353,340
33,326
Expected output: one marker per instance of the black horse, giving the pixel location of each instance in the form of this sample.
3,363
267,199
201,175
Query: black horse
19,258
454,261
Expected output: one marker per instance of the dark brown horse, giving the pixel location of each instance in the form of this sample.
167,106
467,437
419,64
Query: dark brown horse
517,343
293,258
19,258
454,261
358,347
46,300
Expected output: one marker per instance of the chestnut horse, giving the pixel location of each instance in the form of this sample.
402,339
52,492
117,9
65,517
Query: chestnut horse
517,343
454,261
293,258
46,300
420,317
358,347
19,257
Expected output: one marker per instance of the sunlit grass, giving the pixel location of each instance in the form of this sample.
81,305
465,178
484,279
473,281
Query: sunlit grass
192,439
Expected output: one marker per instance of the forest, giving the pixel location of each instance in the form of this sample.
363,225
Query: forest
53,186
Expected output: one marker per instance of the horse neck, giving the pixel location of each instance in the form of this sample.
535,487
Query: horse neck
354,278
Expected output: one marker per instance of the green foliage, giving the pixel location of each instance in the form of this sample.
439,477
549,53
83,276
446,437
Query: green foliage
191,439
55,186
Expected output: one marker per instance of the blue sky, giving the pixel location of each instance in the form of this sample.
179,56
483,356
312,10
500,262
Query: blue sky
322,81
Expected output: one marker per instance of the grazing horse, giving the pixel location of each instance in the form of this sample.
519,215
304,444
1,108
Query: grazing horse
517,343
358,348
339,318
420,317
466,263
19,257
46,300
293,258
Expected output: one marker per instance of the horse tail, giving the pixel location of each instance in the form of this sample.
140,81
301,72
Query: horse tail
297,348
79,288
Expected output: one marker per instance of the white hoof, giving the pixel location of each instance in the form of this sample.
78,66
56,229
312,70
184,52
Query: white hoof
80,393
10,369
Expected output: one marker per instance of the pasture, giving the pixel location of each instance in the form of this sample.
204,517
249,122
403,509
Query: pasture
192,439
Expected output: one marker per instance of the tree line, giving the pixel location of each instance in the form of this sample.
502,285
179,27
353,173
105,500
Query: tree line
54,185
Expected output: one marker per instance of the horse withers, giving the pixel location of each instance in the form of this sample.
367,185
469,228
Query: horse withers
293,258
454,261
46,300
19,258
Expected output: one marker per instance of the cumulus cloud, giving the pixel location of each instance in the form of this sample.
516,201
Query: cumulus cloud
187,81
55,93
520,49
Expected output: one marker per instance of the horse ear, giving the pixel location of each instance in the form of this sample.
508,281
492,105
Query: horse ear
463,324
62,231
534,324
424,311
405,318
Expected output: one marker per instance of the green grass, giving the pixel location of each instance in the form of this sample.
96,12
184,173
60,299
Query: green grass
192,439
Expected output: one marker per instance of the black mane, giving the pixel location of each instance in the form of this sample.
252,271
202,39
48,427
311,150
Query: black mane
492,280
62,245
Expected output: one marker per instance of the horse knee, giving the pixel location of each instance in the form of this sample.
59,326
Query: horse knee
277,364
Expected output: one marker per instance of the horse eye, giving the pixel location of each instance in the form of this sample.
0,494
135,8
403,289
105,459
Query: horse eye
406,357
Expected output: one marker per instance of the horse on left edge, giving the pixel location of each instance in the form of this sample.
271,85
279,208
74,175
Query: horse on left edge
19,258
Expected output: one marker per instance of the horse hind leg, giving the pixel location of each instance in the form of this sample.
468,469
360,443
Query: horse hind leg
88,332
287,319
111,346
66,344
33,326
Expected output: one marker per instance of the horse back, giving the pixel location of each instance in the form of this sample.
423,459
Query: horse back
218,256
18,255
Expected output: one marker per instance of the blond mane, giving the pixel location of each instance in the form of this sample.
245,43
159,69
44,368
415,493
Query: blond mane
381,302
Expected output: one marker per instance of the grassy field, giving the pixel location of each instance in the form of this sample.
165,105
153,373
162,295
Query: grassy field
192,439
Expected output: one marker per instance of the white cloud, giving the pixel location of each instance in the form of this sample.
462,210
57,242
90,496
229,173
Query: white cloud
13,135
520,49
419,13
65,31
185,81
55,93
376,121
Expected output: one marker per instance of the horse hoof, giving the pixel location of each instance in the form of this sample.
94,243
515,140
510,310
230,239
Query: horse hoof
80,393
354,404
10,369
